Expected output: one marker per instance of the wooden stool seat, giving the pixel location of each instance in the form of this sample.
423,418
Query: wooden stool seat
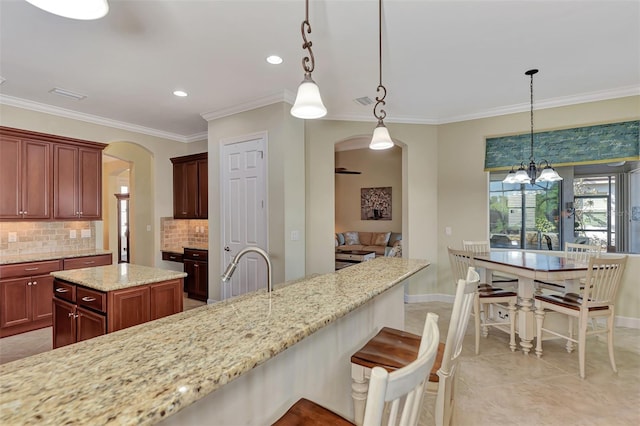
305,412
392,349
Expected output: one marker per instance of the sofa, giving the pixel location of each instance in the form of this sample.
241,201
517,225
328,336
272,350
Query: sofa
379,242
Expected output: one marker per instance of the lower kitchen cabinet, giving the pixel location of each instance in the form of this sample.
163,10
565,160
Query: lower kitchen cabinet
197,269
82,313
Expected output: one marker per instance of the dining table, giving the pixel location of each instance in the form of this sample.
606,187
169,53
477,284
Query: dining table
529,267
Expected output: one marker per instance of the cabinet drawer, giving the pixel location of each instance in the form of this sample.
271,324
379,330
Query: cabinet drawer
29,269
87,261
64,290
193,254
92,299
173,257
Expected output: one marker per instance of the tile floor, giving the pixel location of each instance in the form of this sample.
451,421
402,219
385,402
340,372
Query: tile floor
498,387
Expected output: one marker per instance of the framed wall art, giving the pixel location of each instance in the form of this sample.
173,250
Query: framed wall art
375,203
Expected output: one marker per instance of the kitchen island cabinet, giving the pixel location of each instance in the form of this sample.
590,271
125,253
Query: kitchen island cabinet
99,300
217,362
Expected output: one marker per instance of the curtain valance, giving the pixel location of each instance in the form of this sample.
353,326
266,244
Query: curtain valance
583,145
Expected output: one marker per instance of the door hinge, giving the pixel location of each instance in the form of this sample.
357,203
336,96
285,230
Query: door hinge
261,155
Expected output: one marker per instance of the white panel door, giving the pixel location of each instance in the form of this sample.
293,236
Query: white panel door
244,212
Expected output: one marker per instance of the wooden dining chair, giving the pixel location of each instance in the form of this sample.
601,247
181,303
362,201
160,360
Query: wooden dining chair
596,301
573,251
401,391
392,349
483,248
488,297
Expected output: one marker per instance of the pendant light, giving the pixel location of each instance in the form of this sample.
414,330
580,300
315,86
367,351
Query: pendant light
381,138
74,9
530,175
308,102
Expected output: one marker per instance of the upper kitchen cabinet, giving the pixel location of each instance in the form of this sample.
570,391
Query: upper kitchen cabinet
44,177
77,182
25,178
190,187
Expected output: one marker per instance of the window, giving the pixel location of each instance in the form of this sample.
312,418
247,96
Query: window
595,210
524,216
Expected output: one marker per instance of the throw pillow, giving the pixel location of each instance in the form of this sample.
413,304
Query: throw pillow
381,238
395,236
340,238
351,238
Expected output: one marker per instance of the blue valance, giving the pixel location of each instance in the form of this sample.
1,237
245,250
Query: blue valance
584,145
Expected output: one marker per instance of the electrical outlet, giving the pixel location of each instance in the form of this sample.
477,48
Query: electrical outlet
13,237
72,234
85,233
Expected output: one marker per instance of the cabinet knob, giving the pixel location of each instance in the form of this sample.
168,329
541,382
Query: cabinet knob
24,212
20,212
29,283
80,213
35,283
70,314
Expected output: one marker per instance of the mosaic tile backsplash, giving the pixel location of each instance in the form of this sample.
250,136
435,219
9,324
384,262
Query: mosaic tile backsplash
177,233
43,237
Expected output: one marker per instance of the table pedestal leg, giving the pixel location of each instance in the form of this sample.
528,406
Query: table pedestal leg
526,319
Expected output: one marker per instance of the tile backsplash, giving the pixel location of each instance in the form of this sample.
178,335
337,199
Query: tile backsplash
42,237
176,233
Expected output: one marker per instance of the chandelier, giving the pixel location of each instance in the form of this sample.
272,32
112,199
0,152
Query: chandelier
308,102
381,138
530,174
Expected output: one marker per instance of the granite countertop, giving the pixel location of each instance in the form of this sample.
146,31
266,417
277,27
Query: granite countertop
50,255
118,276
180,250
145,373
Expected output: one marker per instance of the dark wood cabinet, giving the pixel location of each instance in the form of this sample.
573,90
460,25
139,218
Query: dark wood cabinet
87,261
81,312
190,187
25,298
25,178
77,182
196,267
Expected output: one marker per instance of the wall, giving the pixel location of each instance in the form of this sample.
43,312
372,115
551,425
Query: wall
114,172
157,196
379,169
285,187
419,192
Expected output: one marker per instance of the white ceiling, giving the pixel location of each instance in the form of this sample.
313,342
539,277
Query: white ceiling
444,61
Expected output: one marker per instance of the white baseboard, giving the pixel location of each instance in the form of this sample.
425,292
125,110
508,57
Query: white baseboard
448,298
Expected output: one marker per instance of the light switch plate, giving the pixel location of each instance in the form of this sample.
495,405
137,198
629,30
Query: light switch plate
13,237
85,233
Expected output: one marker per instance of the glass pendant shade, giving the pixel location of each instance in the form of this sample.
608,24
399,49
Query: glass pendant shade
522,176
549,175
511,177
74,9
308,102
381,138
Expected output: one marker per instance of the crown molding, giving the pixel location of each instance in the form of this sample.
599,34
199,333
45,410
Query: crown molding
283,96
94,119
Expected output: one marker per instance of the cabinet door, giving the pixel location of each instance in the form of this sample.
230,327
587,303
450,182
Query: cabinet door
65,182
166,298
203,190
90,183
41,297
189,281
64,323
127,307
10,174
197,279
36,179
15,301
89,324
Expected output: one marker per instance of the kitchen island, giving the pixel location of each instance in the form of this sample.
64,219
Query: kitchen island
242,361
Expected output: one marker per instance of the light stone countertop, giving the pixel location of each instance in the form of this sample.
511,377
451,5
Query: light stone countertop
50,255
180,250
118,276
145,373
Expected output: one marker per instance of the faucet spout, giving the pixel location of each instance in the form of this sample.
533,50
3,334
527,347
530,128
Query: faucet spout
231,268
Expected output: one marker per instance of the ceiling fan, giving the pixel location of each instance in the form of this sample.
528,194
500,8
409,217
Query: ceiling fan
344,171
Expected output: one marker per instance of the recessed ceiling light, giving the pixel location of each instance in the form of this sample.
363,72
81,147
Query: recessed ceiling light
74,9
67,93
180,93
274,59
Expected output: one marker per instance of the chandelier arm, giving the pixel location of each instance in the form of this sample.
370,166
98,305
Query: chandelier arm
308,62
378,112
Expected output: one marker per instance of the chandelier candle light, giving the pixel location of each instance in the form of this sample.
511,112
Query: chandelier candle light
308,102
381,138
530,175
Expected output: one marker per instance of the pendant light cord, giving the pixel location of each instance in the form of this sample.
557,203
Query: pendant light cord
307,44
531,90
381,90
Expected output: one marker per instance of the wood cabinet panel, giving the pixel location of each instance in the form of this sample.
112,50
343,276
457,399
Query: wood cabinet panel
166,298
173,257
15,301
65,182
128,307
203,189
90,183
29,268
64,323
89,324
92,299
197,283
87,261
190,187
25,178
42,295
